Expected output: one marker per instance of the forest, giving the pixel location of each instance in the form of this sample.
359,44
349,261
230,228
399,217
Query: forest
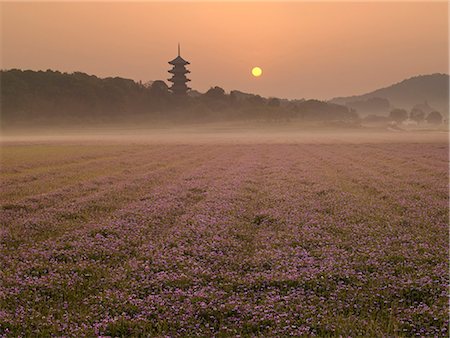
42,97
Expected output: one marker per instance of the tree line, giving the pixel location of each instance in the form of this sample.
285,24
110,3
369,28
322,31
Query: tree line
417,115
41,96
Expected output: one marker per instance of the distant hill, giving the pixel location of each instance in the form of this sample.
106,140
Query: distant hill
431,90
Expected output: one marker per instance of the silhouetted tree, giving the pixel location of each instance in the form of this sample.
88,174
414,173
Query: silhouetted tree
398,115
159,87
215,93
322,111
434,117
417,115
274,102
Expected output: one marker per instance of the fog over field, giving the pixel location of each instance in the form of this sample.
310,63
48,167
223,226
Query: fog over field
237,132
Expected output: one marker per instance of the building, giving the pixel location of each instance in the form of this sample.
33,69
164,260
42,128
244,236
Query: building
179,72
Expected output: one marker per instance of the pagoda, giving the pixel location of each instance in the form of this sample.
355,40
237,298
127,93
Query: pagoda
179,72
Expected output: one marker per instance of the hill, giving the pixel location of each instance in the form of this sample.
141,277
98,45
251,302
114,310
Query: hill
432,90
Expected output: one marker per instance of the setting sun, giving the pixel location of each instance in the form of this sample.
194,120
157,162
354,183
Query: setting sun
256,71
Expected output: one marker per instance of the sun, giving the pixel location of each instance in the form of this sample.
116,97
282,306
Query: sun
256,71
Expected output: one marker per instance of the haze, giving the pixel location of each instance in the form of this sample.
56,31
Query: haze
311,50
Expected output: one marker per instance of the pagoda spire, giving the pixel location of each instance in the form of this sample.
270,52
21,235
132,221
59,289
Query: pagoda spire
178,49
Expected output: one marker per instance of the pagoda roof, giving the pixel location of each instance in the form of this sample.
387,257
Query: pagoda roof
179,61
179,71
180,80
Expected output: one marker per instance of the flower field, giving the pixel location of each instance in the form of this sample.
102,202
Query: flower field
288,239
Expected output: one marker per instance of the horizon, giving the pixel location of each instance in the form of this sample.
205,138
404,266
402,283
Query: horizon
306,50
237,89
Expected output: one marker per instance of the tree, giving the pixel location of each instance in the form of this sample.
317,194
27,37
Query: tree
316,110
215,93
417,115
255,100
273,102
434,117
159,87
398,115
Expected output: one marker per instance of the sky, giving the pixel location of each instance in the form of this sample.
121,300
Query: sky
305,49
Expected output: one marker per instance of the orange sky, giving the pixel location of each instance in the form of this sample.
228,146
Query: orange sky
311,50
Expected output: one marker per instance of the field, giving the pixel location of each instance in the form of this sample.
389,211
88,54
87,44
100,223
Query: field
279,238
